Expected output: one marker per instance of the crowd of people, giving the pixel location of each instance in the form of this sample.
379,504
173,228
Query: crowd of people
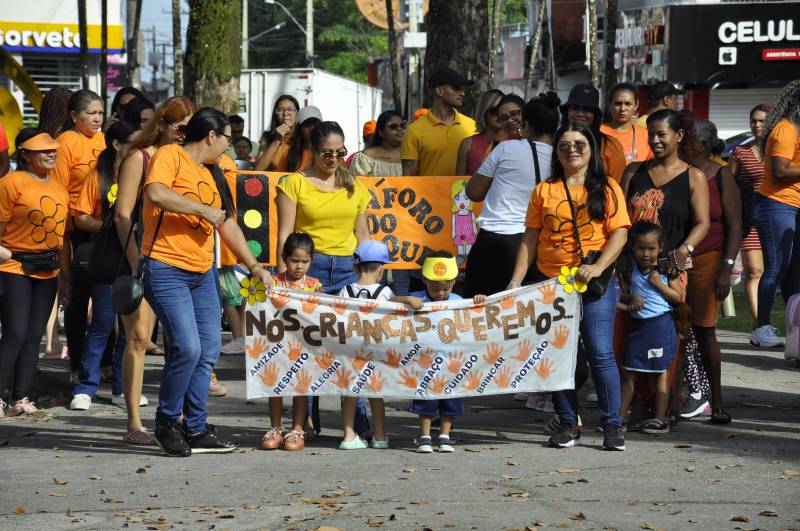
119,219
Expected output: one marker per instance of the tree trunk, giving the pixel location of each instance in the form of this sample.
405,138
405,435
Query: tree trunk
104,51
177,47
84,51
594,67
394,59
214,54
535,40
458,38
494,41
610,73
134,9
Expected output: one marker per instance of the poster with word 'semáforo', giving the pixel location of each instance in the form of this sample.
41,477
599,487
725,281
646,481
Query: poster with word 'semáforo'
523,340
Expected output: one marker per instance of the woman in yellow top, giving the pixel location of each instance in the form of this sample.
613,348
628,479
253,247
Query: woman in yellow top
33,215
624,108
578,183
78,149
185,199
328,204
165,129
776,205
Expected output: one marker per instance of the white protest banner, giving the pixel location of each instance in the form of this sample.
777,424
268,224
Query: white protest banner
301,343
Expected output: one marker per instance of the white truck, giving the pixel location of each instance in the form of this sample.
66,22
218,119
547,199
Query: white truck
340,99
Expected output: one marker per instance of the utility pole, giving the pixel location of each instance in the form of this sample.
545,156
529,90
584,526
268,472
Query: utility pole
134,11
82,29
591,39
310,32
610,33
177,46
245,35
104,51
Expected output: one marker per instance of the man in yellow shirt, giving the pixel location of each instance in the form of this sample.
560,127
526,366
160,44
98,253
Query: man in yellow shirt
430,145
662,95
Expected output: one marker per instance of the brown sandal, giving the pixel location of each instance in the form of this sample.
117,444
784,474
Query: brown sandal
272,439
294,441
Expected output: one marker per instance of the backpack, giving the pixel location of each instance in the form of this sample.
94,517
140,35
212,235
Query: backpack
792,349
364,291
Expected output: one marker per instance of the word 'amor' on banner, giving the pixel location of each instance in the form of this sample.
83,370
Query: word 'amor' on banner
417,215
300,343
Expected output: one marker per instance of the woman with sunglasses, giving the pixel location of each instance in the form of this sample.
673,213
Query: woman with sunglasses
578,184
382,157
474,149
164,129
282,148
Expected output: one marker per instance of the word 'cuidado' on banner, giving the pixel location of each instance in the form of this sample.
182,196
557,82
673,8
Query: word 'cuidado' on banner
524,340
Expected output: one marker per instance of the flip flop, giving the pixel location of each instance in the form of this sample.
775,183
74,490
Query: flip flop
155,351
720,416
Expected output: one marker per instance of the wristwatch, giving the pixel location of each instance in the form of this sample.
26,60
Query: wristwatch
689,247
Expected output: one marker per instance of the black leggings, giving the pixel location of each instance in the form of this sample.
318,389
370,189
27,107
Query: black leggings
24,310
491,263
76,318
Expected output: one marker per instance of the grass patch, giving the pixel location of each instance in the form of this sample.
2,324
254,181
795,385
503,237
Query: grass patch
744,323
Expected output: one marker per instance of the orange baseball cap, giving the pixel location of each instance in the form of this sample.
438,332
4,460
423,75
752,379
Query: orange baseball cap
40,142
369,128
419,113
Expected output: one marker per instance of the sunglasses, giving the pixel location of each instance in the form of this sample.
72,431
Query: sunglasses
229,138
565,148
396,126
513,115
330,155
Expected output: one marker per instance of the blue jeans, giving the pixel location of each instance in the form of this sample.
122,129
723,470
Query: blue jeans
187,305
597,334
334,272
97,335
775,223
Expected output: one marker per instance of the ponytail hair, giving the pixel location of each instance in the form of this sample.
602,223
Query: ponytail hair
122,133
541,113
204,121
344,179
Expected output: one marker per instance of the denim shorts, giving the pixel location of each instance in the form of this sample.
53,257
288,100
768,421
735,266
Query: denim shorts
446,407
334,272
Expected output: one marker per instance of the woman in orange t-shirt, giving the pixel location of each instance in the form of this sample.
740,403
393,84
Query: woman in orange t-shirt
78,149
578,184
624,106
164,129
283,141
33,215
776,206
185,200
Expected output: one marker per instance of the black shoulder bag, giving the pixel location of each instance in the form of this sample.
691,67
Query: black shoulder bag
538,174
598,285
127,290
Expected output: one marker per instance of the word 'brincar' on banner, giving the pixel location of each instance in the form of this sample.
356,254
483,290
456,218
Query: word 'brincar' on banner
524,340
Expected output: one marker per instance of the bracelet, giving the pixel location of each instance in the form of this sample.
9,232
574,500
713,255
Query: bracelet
515,282
255,266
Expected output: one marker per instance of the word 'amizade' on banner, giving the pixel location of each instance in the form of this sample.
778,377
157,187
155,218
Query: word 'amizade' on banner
524,340
412,215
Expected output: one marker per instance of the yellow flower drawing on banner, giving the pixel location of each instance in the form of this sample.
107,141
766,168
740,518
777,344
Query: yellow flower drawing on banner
112,194
253,290
569,281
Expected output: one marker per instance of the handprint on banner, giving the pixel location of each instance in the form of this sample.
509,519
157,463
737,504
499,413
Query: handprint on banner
493,351
376,381
303,382
456,361
257,348
368,307
279,299
507,301
324,360
340,306
344,377
392,358
544,369
310,304
270,375
438,383
525,349
547,293
562,334
402,311
473,380
503,378
294,350
361,359
438,307
425,359
409,378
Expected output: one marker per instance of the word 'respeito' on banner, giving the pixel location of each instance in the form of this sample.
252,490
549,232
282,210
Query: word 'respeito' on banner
300,343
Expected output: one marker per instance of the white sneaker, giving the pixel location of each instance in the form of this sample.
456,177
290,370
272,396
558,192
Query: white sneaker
119,400
233,347
445,445
81,402
765,336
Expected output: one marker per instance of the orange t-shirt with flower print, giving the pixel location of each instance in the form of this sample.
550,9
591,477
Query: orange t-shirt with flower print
76,157
549,211
784,142
88,200
183,241
35,214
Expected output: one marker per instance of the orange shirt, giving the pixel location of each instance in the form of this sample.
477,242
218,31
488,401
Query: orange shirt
76,158
783,141
549,211
305,160
634,142
183,241
35,214
226,256
613,156
280,160
88,201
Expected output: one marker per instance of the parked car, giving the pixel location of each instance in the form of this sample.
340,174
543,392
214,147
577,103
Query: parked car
742,139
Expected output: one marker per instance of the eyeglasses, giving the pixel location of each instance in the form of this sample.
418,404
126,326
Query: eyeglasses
565,148
229,138
285,110
396,126
513,115
330,155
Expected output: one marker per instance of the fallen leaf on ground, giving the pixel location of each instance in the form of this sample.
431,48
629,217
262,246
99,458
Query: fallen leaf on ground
153,494
112,500
578,516
517,493
512,462
791,473
691,468
506,476
419,502
320,501
770,514
476,450
693,521
648,525
57,494
568,470
679,445
141,470
328,528
410,470
96,477
740,518
59,481
374,521
19,509
251,505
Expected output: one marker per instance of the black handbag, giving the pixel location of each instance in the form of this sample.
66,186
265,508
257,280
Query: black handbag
37,262
108,258
598,285
127,290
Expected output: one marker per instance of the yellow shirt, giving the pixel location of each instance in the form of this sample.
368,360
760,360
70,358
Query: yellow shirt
434,145
784,142
642,121
328,217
